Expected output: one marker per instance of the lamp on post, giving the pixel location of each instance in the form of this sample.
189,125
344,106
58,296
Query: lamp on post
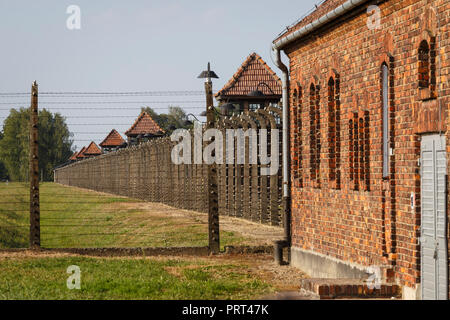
225,108
185,122
188,122
259,95
208,75
213,197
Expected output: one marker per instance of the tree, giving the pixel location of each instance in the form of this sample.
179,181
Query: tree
55,145
3,171
14,145
175,119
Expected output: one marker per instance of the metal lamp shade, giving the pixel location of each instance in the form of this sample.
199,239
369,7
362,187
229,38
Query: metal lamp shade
256,93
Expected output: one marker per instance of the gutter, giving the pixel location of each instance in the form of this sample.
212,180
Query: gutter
277,46
309,28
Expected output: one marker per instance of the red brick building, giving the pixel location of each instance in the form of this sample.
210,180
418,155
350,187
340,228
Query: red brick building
368,138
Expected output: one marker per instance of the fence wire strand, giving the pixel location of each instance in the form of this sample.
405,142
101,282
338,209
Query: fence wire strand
73,214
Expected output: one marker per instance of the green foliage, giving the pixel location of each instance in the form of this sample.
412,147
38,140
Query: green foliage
3,171
14,147
174,119
54,143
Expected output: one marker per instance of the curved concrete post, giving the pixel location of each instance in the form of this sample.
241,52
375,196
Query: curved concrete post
223,171
278,111
238,169
245,170
230,172
274,192
263,179
253,171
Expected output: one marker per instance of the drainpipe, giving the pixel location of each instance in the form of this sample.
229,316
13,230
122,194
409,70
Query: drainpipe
277,46
285,152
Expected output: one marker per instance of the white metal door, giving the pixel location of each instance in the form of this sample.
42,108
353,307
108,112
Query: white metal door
433,231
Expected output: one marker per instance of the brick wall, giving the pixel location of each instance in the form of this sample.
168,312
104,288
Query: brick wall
350,212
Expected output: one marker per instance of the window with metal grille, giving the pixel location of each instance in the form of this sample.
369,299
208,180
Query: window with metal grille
424,65
300,136
297,136
294,158
427,67
314,141
385,104
334,139
359,150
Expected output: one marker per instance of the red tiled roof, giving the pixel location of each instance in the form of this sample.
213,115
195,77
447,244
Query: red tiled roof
144,125
81,153
246,79
320,11
74,156
114,139
92,150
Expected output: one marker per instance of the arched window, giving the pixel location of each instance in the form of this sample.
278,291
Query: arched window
312,131
427,69
359,150
424,65
314,113
334,140
298,120
386,118
295,133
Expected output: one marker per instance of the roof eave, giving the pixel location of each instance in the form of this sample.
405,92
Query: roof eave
285,40
247,97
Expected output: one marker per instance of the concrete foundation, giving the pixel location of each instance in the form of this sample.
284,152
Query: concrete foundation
321,266
411,293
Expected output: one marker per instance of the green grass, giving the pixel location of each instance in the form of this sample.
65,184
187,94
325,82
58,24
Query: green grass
45,278
72,217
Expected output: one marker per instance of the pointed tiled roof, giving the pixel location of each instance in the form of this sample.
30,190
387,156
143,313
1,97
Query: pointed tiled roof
144,125
251,73
81,154
114,139
92,150
322,9
74,156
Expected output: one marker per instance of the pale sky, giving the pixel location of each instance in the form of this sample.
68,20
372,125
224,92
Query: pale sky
130,46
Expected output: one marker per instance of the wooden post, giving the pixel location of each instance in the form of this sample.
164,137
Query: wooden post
213,197
35,228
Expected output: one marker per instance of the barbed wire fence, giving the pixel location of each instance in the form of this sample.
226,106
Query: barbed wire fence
98,202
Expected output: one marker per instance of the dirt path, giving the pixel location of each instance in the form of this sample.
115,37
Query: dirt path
254,233
257,233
